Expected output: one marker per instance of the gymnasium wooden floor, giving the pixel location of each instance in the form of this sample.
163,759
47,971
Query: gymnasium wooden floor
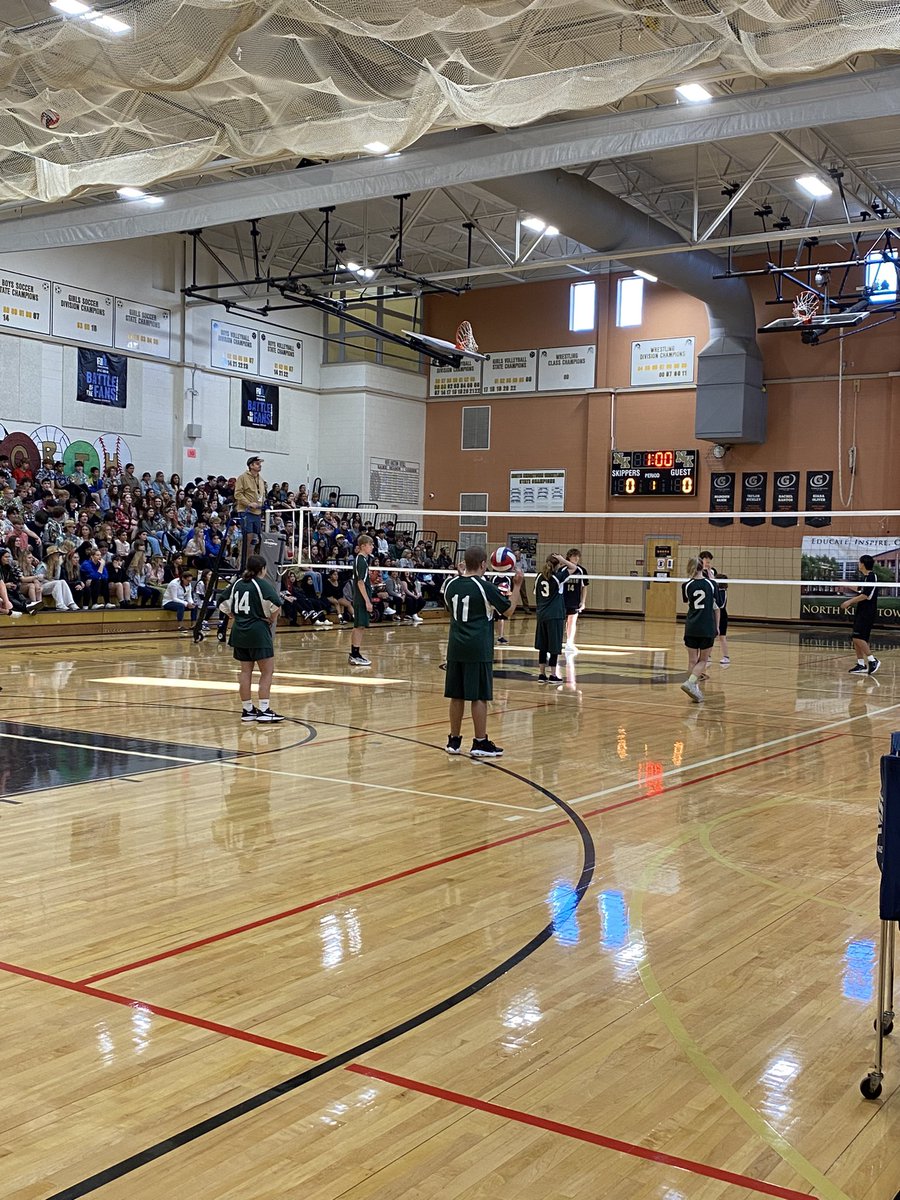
633,959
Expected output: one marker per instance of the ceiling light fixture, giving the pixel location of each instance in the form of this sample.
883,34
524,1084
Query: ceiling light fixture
376,147
694,93
813,186
646,275
535,224
131,193
551,231
71,8
108,24
352,266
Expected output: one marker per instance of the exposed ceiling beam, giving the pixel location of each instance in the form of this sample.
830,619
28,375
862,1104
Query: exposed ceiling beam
468,157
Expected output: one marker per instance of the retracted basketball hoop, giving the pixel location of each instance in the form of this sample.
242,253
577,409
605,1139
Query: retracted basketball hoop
465,338
805,307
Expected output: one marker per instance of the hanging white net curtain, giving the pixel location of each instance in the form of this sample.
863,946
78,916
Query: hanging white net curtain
189,82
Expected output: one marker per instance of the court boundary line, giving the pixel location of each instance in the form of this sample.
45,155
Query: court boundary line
462,1100
421,867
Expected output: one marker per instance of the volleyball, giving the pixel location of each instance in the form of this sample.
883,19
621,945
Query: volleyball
503,559
49,118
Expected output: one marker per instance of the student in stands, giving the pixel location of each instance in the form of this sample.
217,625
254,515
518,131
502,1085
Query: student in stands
95,575
179,598
49,574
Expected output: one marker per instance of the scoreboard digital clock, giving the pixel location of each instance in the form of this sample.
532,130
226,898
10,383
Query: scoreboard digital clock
653,473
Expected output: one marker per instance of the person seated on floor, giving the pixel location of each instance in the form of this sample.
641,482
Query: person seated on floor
309,603
179,598
49,573
411,599
290,606
333,596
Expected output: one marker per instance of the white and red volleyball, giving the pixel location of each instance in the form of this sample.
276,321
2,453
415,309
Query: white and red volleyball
49,118
503,559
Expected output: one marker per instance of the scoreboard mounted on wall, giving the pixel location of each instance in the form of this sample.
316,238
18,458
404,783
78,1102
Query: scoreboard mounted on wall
653,473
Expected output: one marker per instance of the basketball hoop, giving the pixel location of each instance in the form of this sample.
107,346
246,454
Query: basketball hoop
805,307
465,338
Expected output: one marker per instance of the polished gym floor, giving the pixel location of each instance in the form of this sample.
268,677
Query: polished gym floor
634,958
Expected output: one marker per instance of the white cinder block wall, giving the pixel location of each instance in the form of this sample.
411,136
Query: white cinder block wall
330,425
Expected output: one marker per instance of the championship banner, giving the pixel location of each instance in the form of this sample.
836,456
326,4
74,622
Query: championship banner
888,847
102,378
82,316
721,496
509,371
753,495
143,328
786,497
259,405
24,302
818,496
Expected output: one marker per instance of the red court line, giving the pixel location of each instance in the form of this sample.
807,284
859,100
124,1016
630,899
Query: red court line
426,1089
428,866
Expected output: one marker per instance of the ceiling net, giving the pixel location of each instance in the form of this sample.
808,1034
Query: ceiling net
190,82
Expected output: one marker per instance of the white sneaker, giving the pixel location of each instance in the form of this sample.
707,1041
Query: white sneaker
389,612
14,613
323,624
96,606
109,606
417,620
725,662
73,608
358,660
692,690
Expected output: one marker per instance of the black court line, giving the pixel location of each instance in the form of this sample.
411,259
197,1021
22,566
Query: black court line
185,1136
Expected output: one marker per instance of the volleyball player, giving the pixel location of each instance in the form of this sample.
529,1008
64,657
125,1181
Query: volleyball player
503,584
701,625
362,600
551,614
865,603
473,603
255,606
706,559
573,598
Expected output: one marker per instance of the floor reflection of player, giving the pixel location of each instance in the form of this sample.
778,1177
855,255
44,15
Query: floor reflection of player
245,829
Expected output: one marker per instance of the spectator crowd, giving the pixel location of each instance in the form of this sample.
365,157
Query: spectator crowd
113,539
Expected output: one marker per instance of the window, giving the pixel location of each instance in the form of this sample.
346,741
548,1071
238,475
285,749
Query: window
630,301
466,540
476,427
881,276
471,507
582,307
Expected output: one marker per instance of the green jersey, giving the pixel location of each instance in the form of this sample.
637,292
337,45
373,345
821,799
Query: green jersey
701,596
361,575
548,596
472,602
249,598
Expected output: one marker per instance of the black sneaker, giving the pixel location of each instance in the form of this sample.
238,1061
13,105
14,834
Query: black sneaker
874,664
358,660
542,678
454,745
502,641
554,679
859,669
247,717
484,748
268,717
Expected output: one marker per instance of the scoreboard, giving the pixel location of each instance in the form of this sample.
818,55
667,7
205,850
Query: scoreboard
653,473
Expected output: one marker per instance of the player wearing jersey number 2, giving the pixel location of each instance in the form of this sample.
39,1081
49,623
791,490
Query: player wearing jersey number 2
473,603
255,605
701,626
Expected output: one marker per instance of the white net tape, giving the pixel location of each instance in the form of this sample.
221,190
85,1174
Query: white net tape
190,81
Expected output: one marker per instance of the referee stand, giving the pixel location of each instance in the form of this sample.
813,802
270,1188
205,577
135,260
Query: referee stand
887,853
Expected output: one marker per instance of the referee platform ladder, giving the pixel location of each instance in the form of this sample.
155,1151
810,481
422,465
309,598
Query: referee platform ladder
887,853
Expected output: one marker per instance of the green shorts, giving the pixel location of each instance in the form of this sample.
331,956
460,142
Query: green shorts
469,680
253,653
361,617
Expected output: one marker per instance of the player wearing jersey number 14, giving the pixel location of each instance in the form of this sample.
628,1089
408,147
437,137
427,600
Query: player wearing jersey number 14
254,605
474,602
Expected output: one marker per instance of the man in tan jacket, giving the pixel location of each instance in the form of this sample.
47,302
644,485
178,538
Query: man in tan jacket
249,497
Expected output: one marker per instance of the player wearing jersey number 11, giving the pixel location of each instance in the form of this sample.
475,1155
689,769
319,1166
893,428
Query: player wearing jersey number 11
473,603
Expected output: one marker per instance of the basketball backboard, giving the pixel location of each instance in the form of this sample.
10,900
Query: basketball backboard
823,321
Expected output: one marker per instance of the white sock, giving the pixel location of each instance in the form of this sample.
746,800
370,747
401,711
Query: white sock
263,705
247,705
861,662
871,658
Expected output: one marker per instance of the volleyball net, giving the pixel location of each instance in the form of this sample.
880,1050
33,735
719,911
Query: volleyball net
779,565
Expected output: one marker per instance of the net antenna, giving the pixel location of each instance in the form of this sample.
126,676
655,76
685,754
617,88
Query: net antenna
465,338
806,305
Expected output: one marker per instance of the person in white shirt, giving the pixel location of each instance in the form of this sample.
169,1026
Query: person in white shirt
179,598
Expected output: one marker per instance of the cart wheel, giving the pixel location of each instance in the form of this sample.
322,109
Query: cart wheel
871,1087
198,637
887,1028
220,637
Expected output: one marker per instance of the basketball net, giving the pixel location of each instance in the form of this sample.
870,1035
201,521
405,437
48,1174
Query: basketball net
465,338
805,307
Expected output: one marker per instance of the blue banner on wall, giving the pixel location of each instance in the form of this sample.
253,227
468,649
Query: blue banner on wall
102,378
888,848
259,405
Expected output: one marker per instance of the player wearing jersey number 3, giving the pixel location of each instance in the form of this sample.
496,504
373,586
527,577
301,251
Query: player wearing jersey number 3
255,605
701,626
474,602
